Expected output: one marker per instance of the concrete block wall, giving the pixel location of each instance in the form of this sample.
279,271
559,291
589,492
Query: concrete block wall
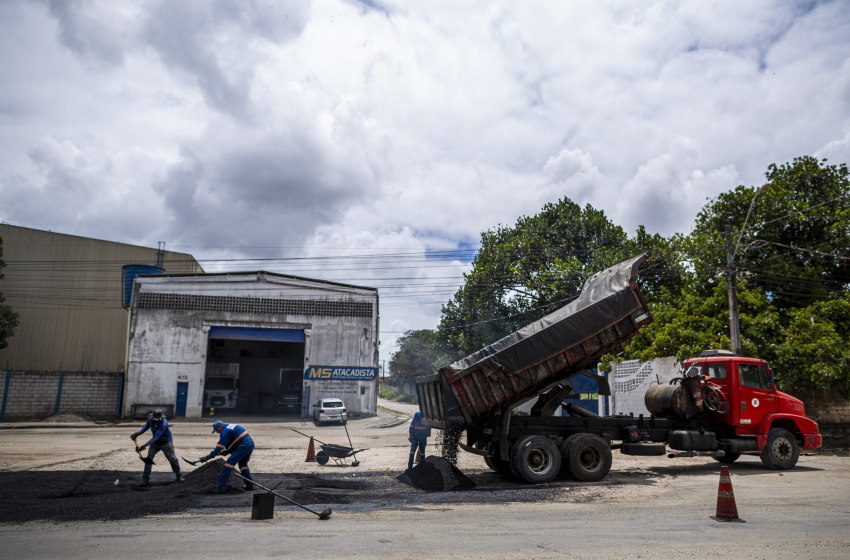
33,395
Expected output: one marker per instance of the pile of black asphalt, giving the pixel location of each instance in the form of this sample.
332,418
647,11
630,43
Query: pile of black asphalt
435,474
117,495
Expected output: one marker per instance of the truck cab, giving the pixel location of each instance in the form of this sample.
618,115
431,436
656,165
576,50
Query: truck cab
756,408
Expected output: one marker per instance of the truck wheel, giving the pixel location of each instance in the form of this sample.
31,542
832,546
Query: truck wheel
588,458
497,464
781,450
729,458
536,459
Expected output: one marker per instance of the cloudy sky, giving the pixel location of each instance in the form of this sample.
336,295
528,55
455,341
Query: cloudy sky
372,141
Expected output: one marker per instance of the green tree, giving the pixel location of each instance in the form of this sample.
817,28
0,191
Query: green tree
815,350
806,206
528,270
9,320
685,326
419,353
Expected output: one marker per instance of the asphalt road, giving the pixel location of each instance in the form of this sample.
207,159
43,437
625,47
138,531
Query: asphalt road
646,508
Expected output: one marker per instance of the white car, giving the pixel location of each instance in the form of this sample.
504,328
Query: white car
329,410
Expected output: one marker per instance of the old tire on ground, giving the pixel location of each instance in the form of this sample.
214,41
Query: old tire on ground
499,465
322,458
781,450
589,458
729,458
643,449
536,459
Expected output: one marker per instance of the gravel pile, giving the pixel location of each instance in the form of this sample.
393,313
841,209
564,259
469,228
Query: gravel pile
435,474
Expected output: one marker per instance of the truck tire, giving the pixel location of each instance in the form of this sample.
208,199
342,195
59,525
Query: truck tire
588,457
643,449
499,465
781,450
729,458
536,459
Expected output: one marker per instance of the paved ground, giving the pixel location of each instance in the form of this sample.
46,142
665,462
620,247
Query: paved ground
647,507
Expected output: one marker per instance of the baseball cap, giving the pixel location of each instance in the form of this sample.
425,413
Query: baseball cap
217,425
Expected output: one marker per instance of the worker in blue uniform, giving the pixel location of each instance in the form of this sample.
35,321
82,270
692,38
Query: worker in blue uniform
418,437
161,440
234,441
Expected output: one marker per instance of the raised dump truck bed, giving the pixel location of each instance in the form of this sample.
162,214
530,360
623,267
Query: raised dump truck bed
608,312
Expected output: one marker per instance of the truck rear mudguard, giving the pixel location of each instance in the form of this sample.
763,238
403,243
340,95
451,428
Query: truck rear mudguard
609,311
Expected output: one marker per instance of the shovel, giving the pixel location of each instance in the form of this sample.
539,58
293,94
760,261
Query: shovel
193,463
145,460
324,515
355,462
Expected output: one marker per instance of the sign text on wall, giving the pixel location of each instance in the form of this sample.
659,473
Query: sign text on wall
341,373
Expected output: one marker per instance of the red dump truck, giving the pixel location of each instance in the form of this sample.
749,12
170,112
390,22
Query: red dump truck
723,405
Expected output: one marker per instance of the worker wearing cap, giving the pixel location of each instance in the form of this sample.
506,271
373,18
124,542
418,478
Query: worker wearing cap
418,437
235,441
161,440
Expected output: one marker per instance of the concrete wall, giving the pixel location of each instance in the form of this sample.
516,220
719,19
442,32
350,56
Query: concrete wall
630,379
33,395
168,346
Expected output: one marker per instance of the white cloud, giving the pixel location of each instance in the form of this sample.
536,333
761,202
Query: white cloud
329,125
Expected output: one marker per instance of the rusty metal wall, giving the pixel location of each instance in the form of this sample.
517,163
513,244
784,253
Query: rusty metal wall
68,293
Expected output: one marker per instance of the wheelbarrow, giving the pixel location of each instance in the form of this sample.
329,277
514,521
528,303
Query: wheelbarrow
338,453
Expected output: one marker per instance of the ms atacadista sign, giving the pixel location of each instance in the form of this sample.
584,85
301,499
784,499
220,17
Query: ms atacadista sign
341,373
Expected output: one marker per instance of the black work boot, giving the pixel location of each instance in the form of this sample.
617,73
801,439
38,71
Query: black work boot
180,478
145,482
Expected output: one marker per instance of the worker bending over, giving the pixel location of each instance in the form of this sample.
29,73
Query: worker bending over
161,440
236,442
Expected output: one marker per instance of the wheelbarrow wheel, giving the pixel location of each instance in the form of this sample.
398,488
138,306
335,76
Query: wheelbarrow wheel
322,458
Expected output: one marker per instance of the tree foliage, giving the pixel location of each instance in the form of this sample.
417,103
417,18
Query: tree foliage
789,213
685,326
419,353
525,271
9,320
814,351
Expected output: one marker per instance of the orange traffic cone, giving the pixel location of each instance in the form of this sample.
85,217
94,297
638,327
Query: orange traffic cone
311,452
418,456
726,509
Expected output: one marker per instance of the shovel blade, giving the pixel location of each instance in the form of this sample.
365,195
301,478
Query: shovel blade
325,514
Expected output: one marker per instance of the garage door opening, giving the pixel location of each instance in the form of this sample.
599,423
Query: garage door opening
254,372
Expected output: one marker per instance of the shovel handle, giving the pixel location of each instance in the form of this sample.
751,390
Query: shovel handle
279,496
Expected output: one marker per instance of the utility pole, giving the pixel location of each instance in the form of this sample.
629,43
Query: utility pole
732,276
731,283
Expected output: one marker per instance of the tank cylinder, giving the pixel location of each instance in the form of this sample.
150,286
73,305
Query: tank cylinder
670,400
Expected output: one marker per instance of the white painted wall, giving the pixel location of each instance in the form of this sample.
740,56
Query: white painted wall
630,380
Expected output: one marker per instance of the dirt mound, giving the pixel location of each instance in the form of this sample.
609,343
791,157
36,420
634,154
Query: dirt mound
64,417
435,474
205,478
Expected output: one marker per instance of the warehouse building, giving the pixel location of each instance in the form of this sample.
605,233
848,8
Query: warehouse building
250,343
72,294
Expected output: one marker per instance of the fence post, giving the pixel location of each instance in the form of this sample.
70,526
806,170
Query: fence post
120,391
59,392
5,395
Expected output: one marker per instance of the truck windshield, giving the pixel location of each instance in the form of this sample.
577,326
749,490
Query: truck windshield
716,371
219,383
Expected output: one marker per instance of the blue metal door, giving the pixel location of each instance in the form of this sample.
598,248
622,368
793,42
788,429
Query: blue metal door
586,393
182,398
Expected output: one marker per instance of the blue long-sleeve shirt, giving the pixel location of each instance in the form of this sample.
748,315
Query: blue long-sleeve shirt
160,430
417,430
232,436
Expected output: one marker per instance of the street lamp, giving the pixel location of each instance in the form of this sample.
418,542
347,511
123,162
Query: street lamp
732,278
